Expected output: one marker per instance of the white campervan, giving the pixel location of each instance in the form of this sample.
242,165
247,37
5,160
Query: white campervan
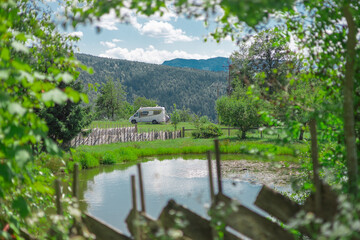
149,114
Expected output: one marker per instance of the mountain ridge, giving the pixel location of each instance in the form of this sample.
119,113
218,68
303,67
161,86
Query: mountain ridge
189,88
216,64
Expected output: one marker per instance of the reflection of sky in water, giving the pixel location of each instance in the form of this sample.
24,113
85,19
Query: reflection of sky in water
186,181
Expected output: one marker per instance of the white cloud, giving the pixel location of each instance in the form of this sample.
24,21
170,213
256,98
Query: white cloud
150,54
108,21
117,40
78,34
152,28
159,29
108,44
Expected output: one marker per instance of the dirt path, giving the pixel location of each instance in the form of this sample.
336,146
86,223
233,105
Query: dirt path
269,173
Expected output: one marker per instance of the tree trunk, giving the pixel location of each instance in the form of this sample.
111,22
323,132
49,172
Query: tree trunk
243,134
301,137
315,162
349,121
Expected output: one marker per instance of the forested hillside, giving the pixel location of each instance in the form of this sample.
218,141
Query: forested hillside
217,64
189,88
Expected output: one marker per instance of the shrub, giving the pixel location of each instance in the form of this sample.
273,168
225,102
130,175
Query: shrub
107,158
86,160
209,131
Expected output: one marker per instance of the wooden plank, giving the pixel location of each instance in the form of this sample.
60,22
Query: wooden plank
145,227
102,230
276,204
329,203
247,222
197,227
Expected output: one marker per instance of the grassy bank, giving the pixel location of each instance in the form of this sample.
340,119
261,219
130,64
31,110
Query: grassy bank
259,149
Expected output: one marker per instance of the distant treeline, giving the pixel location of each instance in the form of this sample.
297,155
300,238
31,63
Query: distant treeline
189,88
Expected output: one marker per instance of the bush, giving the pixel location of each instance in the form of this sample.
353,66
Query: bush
107,158
86,160
209,131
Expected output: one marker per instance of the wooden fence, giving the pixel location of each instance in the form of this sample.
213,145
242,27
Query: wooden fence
97,136
228,129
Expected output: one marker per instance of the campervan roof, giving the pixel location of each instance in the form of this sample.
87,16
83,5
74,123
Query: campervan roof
151,108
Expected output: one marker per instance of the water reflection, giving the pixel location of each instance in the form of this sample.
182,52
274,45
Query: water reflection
106,194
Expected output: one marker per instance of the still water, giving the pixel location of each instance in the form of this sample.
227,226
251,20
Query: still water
105,192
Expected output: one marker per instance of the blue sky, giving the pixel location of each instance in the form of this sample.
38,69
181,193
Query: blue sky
151,40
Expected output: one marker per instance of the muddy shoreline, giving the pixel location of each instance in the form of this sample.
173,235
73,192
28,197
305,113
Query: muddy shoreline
268,173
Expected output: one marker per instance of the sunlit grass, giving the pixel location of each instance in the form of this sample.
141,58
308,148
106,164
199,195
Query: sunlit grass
92,156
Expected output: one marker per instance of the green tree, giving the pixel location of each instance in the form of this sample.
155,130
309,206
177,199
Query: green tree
185,115
266,62
175,117
143,102
239,110
111,100
66,120
327,31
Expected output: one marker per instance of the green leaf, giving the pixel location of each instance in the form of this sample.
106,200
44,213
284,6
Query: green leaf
21,206
73,95
84,97
19,47
2,195
65,77
5,54
55,95
16,108
6,172
41,188
22,156
51,146
4,74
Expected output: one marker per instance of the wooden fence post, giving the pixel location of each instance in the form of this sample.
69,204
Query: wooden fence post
218,165
59,209
183,132
229,132
142,198
134,208
75,186
210,176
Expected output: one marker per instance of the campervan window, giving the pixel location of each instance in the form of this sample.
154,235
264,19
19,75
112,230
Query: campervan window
144,114
157,112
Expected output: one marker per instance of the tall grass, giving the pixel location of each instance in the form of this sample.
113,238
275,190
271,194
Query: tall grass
92,156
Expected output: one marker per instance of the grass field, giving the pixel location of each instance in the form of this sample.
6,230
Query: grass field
263,149
267,148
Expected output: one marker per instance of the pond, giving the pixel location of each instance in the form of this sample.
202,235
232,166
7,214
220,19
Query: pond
105,192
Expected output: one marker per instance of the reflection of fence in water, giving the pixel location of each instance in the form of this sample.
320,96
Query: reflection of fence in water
98,136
